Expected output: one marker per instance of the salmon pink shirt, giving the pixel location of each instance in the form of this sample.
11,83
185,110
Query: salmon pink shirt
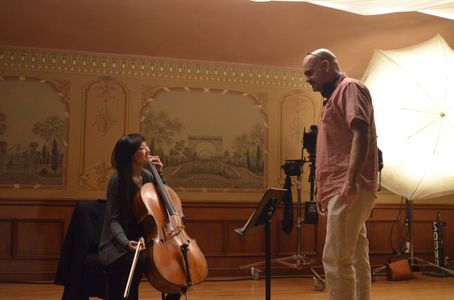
350,100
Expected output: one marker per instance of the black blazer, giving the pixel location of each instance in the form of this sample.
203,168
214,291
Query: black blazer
79,269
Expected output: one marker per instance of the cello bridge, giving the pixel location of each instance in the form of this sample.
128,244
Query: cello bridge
177,230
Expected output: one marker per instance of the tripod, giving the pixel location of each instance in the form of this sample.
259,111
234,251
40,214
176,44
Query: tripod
410,244
407,249
294,168
299,260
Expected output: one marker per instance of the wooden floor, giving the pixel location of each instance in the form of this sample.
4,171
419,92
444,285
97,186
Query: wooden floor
423,287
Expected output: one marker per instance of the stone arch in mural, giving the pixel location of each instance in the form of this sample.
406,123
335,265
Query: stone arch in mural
206,147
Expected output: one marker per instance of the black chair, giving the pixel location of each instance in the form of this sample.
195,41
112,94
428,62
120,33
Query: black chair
79,269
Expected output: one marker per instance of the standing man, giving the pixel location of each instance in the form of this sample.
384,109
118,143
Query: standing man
346,174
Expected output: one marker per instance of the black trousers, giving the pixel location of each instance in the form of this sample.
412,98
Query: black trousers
117,276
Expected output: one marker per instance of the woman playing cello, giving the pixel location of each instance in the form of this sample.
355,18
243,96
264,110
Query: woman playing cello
121,231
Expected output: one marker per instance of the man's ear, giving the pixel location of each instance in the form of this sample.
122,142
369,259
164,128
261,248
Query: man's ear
325,65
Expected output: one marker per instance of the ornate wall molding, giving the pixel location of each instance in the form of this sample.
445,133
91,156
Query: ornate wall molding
146,67
104,119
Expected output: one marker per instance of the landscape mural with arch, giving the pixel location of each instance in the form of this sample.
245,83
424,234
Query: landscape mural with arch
207,138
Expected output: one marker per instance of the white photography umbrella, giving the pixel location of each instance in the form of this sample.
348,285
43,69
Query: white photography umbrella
413,94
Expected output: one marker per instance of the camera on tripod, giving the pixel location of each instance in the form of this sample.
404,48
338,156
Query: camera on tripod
293,167
310,141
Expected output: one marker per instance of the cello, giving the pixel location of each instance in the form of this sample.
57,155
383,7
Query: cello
174,260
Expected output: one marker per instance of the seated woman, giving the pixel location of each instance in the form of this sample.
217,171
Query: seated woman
121,231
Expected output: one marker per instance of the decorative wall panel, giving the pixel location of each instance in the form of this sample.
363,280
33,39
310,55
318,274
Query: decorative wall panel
297,113
213,139
104,121
6,234
33,133
216,230
392,232
38,238
227,116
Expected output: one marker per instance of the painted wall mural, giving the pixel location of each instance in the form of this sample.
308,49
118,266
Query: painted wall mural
33,134
219,121
212,139
297,113
104,121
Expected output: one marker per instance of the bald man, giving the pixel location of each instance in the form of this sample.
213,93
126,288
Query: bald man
346,174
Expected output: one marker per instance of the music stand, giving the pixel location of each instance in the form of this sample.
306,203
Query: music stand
262,217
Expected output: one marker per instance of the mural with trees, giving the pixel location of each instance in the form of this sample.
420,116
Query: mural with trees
32,150
208,140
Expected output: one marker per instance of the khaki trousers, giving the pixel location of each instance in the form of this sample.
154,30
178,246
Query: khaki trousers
346,251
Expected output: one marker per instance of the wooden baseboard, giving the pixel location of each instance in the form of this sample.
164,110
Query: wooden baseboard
32,234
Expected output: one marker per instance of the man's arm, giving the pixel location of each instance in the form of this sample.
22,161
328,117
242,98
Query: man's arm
358,155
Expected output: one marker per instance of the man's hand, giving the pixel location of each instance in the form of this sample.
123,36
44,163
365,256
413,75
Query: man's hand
321,208
349,192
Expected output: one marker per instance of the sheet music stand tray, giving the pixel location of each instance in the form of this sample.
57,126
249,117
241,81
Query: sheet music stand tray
261,217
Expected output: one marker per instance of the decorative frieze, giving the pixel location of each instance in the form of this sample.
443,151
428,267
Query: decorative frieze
145,67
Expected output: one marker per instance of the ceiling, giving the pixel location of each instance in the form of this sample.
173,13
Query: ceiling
235,31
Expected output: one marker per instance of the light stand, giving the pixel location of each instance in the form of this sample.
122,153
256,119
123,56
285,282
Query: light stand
299,260
295,168
409,244
408,248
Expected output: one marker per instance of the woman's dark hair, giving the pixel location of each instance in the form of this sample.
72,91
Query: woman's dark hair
122,157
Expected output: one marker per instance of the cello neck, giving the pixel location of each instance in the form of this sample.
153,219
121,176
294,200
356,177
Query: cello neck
162,191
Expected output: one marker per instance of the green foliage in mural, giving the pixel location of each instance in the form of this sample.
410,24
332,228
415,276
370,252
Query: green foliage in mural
51,129
37,162
160,129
